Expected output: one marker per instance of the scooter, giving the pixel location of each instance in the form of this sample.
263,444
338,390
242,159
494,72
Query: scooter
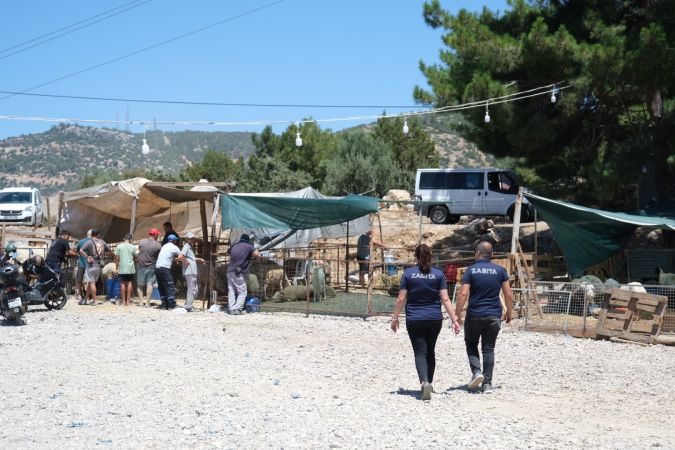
13,304
46,288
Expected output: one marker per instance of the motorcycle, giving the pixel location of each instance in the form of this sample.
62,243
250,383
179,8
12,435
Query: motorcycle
13,304
46,289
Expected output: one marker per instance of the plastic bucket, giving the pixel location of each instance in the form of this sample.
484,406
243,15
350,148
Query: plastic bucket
112,288
389,266
155,292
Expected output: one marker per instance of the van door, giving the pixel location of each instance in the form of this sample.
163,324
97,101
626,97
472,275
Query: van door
501,192
467,191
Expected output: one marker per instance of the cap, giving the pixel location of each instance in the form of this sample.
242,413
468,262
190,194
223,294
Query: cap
94,232
172,237
245,238
190,235
153,232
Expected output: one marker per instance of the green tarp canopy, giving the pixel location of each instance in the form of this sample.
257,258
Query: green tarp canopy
589,236
272,211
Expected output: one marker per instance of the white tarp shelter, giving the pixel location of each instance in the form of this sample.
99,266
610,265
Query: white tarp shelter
137,204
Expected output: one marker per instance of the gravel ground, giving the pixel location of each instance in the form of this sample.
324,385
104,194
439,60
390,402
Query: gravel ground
132,377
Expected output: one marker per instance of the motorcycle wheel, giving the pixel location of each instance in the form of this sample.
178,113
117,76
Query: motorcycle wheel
56,299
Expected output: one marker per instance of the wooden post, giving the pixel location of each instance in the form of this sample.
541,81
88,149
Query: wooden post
307,283
49,217
205,229
370,271
213,248
347,261
419,238
516,221
58,217
536,240
132,225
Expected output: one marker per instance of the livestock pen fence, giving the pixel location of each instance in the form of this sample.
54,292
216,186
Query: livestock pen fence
555,307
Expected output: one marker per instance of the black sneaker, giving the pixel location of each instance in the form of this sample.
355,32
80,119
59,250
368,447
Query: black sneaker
476,381
426,391
487,388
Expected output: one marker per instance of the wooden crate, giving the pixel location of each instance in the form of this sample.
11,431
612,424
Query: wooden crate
629,315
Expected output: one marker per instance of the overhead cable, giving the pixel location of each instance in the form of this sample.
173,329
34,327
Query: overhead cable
145,49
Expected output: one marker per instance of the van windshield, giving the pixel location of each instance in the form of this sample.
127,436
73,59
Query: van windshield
15,197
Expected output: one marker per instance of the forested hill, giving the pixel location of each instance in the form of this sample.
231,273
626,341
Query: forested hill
60,157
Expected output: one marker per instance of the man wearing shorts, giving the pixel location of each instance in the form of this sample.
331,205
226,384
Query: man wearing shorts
124,256
81,266
148,251
94,251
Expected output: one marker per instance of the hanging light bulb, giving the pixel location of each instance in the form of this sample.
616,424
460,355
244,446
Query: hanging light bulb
406,129
553,97
145,148
487,113
298,139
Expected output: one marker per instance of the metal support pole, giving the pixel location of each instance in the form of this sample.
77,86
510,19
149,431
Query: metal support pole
132,225
516,221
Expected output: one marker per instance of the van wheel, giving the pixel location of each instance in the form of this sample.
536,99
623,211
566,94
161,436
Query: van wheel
439,214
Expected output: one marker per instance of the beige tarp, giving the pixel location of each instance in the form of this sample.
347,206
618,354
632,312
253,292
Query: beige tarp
109,208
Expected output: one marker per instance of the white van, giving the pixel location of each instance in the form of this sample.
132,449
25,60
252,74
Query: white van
449,193
19,205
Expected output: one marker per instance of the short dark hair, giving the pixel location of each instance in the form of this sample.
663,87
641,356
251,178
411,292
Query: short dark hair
94,232
128,237
168,224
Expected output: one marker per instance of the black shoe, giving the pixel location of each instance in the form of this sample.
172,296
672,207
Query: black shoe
487,388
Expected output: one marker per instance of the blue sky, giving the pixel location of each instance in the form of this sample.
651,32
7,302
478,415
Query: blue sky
347,52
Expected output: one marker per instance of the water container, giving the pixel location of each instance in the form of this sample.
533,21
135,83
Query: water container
112,288
389,267
252,304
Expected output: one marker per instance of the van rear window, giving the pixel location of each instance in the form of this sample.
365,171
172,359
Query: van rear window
451,180
15,197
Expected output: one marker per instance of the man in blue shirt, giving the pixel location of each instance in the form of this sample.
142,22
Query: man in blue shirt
482,283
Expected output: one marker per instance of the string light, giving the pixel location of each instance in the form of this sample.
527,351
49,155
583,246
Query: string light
298,139
535,92
406,130
553,98
487,113
145,148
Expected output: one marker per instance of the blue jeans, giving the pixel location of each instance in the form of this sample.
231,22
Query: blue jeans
167,290
486,330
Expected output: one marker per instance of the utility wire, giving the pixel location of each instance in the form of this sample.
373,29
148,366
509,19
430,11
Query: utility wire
188,102
516,96
167,41
21,44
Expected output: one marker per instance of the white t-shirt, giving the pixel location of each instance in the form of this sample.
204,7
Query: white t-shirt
189,253
166,255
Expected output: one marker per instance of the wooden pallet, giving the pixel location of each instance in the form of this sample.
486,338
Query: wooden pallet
629,315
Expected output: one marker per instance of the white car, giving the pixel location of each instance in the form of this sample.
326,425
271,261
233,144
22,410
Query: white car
22,206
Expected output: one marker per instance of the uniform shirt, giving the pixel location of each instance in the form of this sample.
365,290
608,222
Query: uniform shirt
57,252
424,297
240,258
485,281
189,253
148,251
95,248
126,252
81,260
166,255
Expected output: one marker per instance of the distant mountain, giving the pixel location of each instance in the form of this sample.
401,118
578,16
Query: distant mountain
60,157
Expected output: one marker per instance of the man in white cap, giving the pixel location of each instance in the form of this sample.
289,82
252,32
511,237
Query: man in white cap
190,269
